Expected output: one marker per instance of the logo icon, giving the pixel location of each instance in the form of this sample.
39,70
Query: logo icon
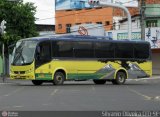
82,30
4,113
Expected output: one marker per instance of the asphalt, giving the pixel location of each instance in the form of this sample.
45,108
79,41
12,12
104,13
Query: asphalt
139,95
8,80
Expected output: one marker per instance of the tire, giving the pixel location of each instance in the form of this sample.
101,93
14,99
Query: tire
59,78
37,82
99,81
120,78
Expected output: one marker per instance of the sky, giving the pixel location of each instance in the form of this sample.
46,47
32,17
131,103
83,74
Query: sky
46,10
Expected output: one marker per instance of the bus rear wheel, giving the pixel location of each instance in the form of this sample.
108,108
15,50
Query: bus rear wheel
37,82
99,81
59,78
120,78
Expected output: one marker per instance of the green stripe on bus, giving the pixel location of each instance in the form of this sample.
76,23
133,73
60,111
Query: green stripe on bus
85,76
43,76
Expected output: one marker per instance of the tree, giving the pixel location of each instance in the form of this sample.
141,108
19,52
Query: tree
20,20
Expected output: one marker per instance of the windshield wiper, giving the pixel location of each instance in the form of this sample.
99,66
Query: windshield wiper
18,53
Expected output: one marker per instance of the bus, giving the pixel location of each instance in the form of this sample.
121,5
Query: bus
78,58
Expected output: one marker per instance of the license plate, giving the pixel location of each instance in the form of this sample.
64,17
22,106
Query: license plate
18,76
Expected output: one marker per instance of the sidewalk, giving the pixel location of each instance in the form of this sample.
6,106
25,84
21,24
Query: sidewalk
4,80
156,76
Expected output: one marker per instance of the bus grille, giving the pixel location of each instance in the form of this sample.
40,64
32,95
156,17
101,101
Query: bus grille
19,72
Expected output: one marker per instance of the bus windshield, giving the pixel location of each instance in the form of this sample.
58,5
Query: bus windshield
23,53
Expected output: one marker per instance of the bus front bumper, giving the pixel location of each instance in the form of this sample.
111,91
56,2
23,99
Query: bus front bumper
28,76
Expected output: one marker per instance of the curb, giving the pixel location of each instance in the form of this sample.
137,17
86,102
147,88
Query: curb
150,78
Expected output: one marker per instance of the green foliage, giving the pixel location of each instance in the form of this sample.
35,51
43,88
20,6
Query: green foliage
20,20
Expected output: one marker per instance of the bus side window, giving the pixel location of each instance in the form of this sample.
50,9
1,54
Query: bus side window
62,49
124,50
83,49
104,50
141,51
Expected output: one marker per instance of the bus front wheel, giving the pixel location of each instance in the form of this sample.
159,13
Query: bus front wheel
120,78
58,78
99,81
37,82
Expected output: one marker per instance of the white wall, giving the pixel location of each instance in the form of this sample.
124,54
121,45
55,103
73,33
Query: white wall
88,29
41,33
123,34
135,24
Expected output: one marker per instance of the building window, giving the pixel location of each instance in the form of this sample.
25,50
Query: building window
151,23
124,50
98,7
59,26
141,51
98,22
68,28
88,8
107,23
68,10
77,23
77,9
88,22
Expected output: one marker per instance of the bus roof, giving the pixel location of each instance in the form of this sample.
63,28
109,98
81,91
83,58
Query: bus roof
84,38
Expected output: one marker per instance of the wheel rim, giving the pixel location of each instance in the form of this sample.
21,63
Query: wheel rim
59,79
121,78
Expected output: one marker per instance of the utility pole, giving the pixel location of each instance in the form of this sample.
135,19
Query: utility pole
2,32
143,7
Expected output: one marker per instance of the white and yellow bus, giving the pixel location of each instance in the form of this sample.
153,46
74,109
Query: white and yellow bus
62,58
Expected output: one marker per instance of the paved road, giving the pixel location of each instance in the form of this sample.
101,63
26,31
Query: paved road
81,96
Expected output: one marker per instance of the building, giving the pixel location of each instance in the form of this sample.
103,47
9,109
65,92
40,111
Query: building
45,29
75,12
67,18
120,32
152,15
88,29
123,24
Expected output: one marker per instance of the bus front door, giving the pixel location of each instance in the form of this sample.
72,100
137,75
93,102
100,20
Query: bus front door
43,61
